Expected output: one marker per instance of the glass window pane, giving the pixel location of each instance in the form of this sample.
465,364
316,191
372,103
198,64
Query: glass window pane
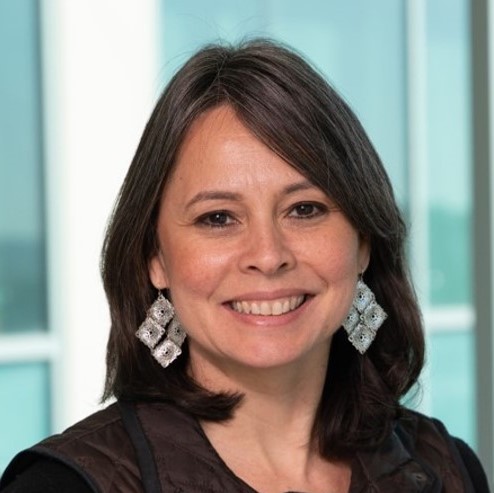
22,283
452,368
25,411
449,151
451,361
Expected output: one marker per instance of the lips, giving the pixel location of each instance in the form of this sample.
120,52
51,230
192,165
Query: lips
268,308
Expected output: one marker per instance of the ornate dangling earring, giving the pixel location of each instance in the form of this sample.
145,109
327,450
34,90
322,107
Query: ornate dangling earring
160,314
364,318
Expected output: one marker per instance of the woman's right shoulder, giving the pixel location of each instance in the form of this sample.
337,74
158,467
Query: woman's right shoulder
113,449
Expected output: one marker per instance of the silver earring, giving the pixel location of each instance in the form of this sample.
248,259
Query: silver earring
364,318
160,314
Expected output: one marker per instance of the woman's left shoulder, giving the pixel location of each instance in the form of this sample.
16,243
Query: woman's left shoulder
431,441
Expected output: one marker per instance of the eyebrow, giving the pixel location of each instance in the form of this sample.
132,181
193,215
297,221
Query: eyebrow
207,195
299,186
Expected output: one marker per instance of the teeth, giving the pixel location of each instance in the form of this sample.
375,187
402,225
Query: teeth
268,308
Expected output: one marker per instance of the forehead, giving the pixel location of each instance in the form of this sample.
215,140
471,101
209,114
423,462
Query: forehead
215,131
218,147
220,119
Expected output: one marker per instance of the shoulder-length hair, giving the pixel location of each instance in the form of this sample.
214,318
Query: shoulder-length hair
289,106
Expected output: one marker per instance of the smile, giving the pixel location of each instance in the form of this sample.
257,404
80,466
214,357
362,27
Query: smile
268,308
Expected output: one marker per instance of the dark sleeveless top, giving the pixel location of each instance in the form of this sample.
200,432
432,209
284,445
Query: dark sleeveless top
159,448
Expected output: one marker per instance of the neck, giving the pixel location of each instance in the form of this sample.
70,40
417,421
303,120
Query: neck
268,442
279,406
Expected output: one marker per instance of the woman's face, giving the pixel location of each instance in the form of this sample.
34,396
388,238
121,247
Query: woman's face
260,264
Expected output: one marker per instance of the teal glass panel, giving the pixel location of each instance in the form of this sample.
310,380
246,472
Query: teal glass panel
451,353
326,32
25,408
451,363
22,266
449,151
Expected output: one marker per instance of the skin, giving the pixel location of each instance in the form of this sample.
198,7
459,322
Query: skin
239,227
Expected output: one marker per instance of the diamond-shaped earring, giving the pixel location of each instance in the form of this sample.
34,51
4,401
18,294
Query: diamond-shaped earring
160,314
364,318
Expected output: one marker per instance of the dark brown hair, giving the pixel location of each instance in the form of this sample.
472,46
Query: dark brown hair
293,110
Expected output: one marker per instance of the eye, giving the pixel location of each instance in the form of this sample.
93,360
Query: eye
307,210
216,219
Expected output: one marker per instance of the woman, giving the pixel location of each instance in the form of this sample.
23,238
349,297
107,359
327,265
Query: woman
257,235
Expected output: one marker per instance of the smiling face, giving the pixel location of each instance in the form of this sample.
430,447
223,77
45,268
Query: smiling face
261,265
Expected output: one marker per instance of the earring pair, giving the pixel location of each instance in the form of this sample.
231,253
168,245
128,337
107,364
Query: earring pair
361,324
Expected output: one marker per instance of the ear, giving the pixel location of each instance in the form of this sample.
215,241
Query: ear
157,272
363,253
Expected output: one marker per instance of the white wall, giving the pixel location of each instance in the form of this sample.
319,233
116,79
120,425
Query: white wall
100,83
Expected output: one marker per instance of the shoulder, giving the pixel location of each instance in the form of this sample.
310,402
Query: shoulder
118,449
98,437
96,447
472,465
429,440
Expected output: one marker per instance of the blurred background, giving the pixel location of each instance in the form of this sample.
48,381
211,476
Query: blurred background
78,79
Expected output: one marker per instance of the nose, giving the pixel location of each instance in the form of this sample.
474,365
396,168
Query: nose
267,251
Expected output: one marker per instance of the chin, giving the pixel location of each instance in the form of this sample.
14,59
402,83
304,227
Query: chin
264,359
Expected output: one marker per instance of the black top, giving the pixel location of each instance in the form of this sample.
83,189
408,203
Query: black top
48,476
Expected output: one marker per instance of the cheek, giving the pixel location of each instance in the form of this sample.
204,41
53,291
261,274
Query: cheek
343,261
335,255
193,266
